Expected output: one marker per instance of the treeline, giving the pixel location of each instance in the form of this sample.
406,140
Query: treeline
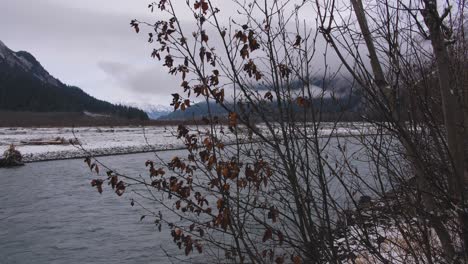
76,119
346,108
22,91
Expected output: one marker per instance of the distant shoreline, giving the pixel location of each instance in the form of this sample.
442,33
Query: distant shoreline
139,150
104,155
101,141
78,119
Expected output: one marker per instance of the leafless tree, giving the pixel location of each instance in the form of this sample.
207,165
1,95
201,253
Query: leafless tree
280,178
417,59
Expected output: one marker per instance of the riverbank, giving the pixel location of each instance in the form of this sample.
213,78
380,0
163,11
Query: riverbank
88,141
77,119
80,142
94,153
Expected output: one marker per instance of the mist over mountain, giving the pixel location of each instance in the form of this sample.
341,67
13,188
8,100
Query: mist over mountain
330,107
26,86
153,111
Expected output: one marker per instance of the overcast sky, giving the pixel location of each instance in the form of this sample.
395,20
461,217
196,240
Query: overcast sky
89,43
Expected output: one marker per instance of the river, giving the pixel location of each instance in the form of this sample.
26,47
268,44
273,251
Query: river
49,213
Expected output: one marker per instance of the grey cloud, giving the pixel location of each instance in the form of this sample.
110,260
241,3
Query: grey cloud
69,41
90,44
147,80
114,69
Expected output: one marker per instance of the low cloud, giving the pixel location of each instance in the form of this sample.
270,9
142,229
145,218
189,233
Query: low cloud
114,69
149,80
90,44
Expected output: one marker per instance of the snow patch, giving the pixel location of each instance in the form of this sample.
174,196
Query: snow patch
123,140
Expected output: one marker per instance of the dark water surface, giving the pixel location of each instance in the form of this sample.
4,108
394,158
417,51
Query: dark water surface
49,213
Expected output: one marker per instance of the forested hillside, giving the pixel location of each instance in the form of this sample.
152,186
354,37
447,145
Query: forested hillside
344,109
26,86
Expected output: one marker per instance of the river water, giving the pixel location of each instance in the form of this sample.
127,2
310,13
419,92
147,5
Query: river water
49,213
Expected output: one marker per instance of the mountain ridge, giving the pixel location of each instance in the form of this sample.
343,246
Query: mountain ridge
25,85
154,112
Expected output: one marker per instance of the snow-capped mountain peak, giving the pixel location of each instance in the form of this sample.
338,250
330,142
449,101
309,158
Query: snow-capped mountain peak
154,111
25,61
3,50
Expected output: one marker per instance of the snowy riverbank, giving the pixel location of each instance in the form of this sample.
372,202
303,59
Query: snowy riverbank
97,141
103,141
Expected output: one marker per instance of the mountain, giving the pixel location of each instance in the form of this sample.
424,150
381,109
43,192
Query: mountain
153,111
331,109
26,86
196,111
157,111
336,99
